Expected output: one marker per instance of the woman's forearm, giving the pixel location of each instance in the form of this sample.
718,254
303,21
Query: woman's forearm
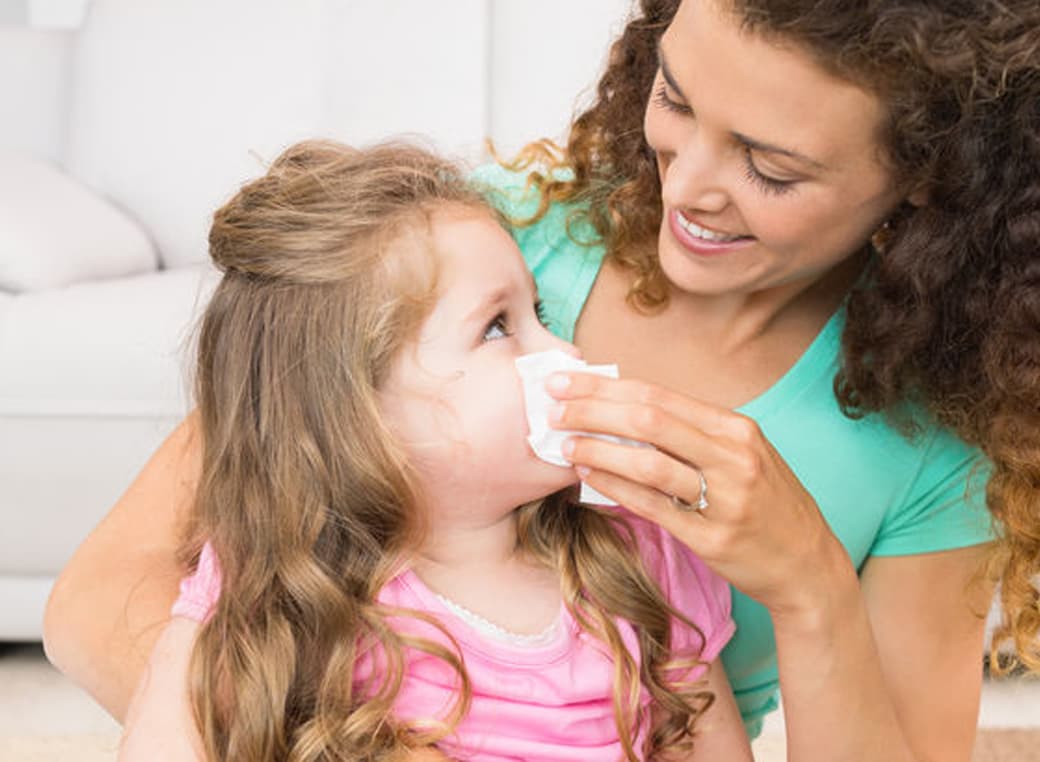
836,702
113,598
887,666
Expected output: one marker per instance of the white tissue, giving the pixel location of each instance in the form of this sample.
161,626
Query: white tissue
546,441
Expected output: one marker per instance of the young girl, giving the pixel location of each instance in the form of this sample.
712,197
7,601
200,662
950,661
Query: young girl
383,568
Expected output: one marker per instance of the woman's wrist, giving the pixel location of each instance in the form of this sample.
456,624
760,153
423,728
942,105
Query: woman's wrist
825,595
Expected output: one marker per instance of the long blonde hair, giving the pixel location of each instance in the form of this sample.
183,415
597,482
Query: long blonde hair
307,499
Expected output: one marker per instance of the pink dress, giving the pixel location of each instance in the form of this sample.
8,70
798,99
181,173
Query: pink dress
549,700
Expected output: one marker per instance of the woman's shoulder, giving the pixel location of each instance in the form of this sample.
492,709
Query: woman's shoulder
558,245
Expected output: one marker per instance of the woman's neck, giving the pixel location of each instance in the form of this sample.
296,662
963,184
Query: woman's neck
734,321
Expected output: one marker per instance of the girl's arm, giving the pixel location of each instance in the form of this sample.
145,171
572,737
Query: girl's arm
113,598
159,722
886,667
720,731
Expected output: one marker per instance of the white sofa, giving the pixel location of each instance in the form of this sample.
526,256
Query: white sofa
117,141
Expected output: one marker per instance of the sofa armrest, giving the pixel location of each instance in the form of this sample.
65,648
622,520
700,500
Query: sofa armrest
34,89
55,231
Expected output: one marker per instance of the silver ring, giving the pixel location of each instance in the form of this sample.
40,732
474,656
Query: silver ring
702,500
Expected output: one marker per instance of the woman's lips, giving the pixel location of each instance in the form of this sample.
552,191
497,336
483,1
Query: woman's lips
701,240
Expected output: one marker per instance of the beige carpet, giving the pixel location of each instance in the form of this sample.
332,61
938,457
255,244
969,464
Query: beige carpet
1007,745
994,745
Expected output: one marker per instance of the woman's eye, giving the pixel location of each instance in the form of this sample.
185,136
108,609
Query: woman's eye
765,183
497,328
661,99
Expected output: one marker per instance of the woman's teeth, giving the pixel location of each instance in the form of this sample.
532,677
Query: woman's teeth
703,233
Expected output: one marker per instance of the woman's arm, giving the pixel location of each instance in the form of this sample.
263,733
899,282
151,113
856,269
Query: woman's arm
869,670
113,598
159,721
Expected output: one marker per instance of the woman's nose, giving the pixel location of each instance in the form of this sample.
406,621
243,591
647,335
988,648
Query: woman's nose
692,177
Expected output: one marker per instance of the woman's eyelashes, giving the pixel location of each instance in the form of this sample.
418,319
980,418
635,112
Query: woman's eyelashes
764,182
661,99
752,174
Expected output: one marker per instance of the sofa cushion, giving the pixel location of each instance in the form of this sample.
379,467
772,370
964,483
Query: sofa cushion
176,103
115,347
55,232
94,376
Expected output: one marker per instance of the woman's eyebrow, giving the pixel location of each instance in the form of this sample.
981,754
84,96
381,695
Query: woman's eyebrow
667,73
752,143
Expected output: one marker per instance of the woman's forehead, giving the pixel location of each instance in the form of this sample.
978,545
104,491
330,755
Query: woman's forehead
766,89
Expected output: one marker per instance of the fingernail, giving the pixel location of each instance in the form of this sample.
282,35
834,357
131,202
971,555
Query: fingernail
583,471
557,382
555,413
567,448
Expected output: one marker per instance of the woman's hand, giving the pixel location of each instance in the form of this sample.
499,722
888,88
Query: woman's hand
761,528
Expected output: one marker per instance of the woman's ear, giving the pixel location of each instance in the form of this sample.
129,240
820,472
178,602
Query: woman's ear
919,195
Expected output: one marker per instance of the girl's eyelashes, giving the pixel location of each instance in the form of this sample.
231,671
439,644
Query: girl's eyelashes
498,328
765,183
540,311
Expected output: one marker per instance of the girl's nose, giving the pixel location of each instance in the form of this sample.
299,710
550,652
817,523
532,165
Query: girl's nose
552,341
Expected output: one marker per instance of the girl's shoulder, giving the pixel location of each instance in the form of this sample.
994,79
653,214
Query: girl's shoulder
690,586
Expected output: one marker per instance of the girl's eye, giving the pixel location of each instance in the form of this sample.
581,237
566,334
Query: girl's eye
661,99
497,328
540,311
765,183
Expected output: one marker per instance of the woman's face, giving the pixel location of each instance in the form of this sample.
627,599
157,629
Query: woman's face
770,167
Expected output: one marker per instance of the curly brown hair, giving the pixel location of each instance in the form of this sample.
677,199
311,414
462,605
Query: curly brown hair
948,313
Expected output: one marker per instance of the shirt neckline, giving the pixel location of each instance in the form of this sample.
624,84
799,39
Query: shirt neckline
552,651
819,357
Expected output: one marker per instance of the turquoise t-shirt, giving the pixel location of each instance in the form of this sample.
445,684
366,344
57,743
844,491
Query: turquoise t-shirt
881,494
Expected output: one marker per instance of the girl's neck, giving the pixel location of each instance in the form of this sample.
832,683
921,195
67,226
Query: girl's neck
482,569
459,544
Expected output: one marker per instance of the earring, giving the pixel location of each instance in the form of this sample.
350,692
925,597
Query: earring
882,237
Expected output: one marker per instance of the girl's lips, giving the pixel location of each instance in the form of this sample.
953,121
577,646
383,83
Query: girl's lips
702,246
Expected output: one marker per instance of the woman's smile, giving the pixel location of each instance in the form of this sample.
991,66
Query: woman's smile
702,240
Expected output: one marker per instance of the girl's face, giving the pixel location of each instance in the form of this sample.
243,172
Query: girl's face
770,167
454,397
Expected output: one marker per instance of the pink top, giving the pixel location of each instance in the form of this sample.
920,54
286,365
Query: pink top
550,701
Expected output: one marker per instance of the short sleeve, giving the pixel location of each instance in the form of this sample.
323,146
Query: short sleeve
692,588
945,505
200,590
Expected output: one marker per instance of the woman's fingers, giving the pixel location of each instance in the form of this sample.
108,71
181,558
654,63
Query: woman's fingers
658,472
653,505
687,442
569,388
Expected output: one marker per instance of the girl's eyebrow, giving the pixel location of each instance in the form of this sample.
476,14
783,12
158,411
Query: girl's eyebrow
498,298
752,143
494,299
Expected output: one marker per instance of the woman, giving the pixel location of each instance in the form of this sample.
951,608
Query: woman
784,191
